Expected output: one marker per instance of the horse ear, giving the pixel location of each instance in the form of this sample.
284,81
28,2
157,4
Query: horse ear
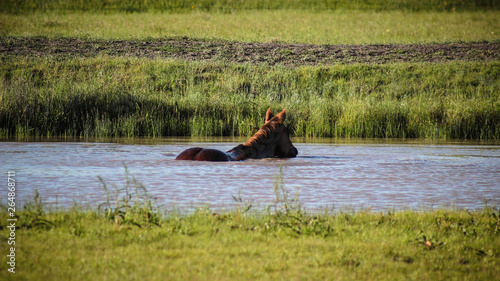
269,115
282,115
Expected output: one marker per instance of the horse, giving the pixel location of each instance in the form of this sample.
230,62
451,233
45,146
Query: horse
272,140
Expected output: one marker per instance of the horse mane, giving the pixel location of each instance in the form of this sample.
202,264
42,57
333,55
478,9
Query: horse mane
263,132
252,147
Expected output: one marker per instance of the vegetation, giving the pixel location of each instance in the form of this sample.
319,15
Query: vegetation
110,96
141,97
295,26
20,6
124,96
128,238
131,240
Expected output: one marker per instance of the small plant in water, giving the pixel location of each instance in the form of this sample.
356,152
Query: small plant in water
290,217
34,213
131,203
242,206
283,200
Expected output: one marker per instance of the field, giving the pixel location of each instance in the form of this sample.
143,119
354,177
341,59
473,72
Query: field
302,26
356,69
131,240
341,68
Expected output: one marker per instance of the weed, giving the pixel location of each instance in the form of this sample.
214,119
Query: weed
243,206
283,203
132,204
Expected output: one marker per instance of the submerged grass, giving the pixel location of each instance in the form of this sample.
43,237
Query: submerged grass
283,244
107,97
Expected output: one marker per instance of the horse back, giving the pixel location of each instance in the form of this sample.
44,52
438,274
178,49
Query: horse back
202,154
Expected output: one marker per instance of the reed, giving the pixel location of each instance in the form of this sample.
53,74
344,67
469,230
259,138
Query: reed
124,97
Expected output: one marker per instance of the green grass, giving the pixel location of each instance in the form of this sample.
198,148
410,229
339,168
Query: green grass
106,96
129,239
141,243
19,6
103,97
296,26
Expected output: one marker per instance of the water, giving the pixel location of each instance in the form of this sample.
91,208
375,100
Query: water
380,176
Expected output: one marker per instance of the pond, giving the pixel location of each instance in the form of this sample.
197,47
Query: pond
334,174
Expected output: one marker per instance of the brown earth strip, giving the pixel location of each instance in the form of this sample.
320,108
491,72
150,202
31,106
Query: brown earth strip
266,53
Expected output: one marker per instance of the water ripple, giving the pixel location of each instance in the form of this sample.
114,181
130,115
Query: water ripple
380,176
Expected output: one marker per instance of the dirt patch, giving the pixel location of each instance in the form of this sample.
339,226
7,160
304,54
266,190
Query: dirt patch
266,53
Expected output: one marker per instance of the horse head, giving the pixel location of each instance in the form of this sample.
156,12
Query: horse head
272,139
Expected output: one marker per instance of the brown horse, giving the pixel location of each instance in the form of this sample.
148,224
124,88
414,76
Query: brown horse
272,140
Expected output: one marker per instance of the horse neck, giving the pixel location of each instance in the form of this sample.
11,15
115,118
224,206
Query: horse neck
260,145
250,150
240,152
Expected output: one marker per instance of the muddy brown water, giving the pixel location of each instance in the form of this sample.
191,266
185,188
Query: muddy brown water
342,175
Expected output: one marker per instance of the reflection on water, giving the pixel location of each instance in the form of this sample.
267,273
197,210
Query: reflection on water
337,175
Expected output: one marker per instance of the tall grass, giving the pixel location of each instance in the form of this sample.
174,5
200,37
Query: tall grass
129,204
140,97
17,6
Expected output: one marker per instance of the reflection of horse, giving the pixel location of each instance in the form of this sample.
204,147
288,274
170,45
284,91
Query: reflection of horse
272,140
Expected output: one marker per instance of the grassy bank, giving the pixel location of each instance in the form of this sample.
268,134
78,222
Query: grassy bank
107,96
140,243
141,97
289,26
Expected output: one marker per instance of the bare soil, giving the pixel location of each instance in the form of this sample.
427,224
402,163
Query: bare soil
233,52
